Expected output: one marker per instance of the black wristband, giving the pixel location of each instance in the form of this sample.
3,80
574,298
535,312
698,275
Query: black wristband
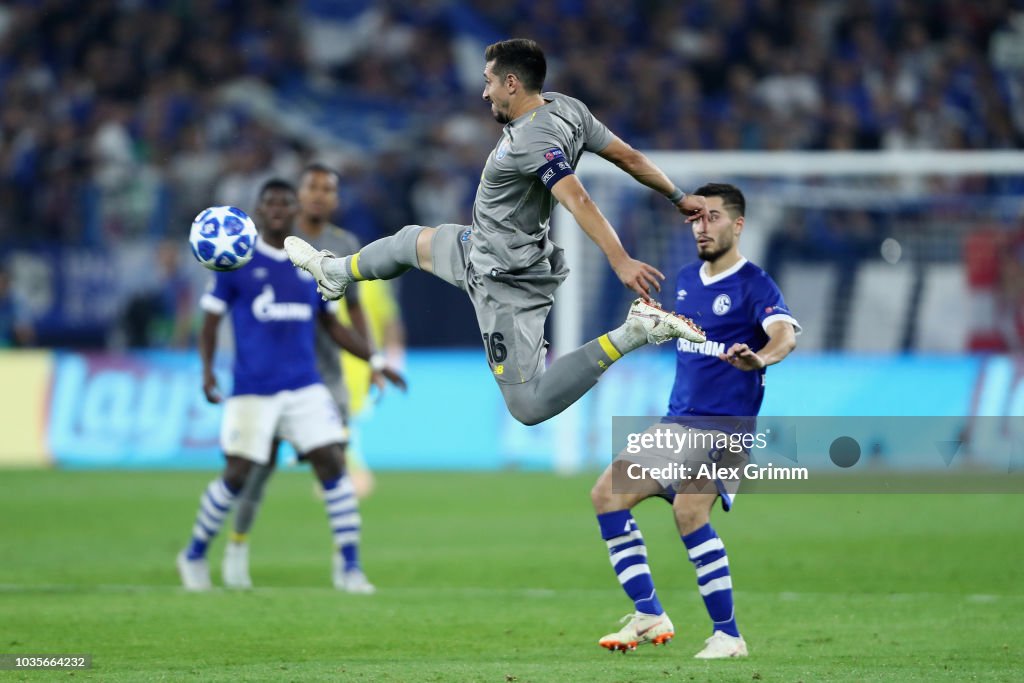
676,196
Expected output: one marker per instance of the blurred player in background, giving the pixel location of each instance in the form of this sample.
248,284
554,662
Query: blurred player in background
505,260
277,391
748,328
385,322
318,199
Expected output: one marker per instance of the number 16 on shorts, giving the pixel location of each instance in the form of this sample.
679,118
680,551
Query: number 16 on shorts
496,351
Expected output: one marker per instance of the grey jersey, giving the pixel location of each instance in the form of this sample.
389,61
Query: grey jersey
328,363
513,201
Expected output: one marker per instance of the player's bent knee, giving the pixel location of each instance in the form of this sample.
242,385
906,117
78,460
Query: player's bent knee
325,463
614,491
526,414
601,495
236,472
523,403
690,517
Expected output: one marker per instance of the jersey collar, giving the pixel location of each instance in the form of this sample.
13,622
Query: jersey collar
712,279
271,252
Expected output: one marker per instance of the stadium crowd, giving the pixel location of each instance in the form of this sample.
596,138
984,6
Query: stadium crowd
115,124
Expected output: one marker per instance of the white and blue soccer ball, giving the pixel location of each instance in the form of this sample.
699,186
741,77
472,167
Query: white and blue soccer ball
223,238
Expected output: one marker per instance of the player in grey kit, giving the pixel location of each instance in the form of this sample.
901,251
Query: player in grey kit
506,261
318,199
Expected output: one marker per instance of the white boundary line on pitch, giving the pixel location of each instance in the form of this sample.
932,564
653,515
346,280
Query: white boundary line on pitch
786,596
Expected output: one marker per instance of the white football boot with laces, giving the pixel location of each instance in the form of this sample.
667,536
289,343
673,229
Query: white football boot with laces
640,628
235,570
661,325
195,574
722,646
351,581
305,256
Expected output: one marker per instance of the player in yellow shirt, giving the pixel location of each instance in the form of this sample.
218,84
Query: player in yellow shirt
385,324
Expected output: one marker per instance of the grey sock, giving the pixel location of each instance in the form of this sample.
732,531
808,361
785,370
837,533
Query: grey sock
250,497
382,259
559,387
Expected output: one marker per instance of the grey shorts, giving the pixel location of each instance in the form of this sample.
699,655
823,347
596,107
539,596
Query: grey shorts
510,307
339,392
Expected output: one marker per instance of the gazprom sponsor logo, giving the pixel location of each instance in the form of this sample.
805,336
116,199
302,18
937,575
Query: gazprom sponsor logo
266,309
708,348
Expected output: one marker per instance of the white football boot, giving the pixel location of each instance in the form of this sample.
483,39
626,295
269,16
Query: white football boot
640,628
235,569
305,256
351,581
722,646
195,574
661,325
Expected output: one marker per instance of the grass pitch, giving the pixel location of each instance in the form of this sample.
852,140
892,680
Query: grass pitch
503,577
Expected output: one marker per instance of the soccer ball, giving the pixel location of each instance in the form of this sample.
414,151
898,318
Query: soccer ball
223,238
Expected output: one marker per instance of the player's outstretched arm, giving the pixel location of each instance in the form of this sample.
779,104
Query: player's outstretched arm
356,344
781,342
207,347
636,164
635,275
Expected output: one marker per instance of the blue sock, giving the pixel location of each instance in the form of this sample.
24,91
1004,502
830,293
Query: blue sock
214,505
707,553
343,514
628,555
350,555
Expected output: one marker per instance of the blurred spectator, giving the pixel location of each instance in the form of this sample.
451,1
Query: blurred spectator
15,323
791,90
162,314
114,108
121,119
193,173
436,192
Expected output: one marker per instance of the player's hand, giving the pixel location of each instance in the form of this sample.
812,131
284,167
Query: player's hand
639,277
385,375
210,388
694,207
742,357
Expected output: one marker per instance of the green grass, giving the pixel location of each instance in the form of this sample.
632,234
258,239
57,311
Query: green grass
502,577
